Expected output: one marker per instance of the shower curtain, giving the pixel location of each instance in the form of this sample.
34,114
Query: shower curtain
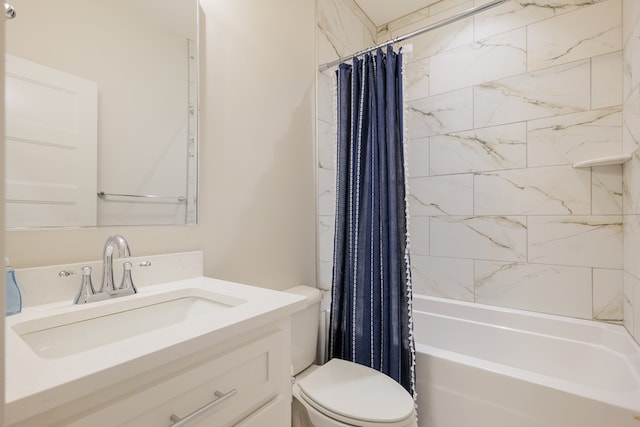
371,320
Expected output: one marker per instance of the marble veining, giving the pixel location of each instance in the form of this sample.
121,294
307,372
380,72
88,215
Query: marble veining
589,241
606,190
553,91
498,238
551,191
443,277
499,106
435,115
588,32
570,138
450,70
487,149
546,288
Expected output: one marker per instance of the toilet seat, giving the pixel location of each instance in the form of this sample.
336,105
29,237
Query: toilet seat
357,395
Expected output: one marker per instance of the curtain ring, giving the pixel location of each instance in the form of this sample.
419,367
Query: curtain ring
9,11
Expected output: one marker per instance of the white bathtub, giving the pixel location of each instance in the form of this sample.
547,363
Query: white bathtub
479,365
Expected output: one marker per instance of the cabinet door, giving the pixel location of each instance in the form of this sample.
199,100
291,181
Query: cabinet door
255,371
275,413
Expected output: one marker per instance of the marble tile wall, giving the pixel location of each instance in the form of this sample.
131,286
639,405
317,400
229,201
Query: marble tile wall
500,106
343,29
631,171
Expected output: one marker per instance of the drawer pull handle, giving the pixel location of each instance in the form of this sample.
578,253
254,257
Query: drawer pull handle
220,398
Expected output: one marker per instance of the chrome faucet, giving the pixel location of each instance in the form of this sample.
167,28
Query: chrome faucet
87,292
107,260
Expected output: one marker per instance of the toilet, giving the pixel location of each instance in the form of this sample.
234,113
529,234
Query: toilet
339,393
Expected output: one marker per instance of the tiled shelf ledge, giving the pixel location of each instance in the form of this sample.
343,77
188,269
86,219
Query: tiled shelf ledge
604,161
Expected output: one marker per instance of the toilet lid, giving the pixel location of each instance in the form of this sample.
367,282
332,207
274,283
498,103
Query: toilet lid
356,392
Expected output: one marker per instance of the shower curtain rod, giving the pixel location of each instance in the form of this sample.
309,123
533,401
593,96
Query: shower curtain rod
440,24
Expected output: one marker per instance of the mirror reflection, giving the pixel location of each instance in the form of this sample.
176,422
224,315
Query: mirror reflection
101,113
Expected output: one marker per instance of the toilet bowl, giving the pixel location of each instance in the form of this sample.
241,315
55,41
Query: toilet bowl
339,393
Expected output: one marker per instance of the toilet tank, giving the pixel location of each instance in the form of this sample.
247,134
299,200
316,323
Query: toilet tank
304,328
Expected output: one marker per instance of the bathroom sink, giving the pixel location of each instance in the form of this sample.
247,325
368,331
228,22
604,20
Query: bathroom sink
105,323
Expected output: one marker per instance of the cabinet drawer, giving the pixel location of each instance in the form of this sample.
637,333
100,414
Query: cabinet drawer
255,371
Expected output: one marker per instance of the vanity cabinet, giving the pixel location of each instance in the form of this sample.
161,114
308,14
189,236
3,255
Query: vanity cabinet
243,382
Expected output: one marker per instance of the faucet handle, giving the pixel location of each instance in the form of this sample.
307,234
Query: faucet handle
86,287
127,280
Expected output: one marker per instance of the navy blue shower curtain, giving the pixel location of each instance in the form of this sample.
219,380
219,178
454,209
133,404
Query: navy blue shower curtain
371,291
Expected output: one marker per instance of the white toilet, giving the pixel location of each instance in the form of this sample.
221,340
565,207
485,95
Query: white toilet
339,393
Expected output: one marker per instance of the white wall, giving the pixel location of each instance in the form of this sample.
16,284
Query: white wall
257,194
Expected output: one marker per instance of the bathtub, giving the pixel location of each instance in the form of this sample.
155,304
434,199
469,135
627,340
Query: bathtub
479,365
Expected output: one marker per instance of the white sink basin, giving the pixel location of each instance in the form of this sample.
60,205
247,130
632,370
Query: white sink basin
102,324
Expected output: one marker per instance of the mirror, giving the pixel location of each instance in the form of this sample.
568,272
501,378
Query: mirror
101,113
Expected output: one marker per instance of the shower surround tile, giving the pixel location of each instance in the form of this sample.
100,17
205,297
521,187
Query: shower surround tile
569,138
588,32
440,114
544,288
429,44
631,228
628,308
519,13
418,157
341,27
326,192
630,185
326,229
436,12
636,315
419,235
631,11
487,238
556,190
631,122
416,79
326,146
632,60
606,91
450,69
325,97
606,190
441,195
589,241
608,294
549,92
488,149
443,277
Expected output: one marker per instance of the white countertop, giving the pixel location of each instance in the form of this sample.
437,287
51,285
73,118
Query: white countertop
35,384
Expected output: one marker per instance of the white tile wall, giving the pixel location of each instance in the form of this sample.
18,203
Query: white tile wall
546,288
585,33
554,190
444,113
450,69
608,291
631,170
486,149
588,241
438,195
569,138
443,277
479,237
548,92
499,107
